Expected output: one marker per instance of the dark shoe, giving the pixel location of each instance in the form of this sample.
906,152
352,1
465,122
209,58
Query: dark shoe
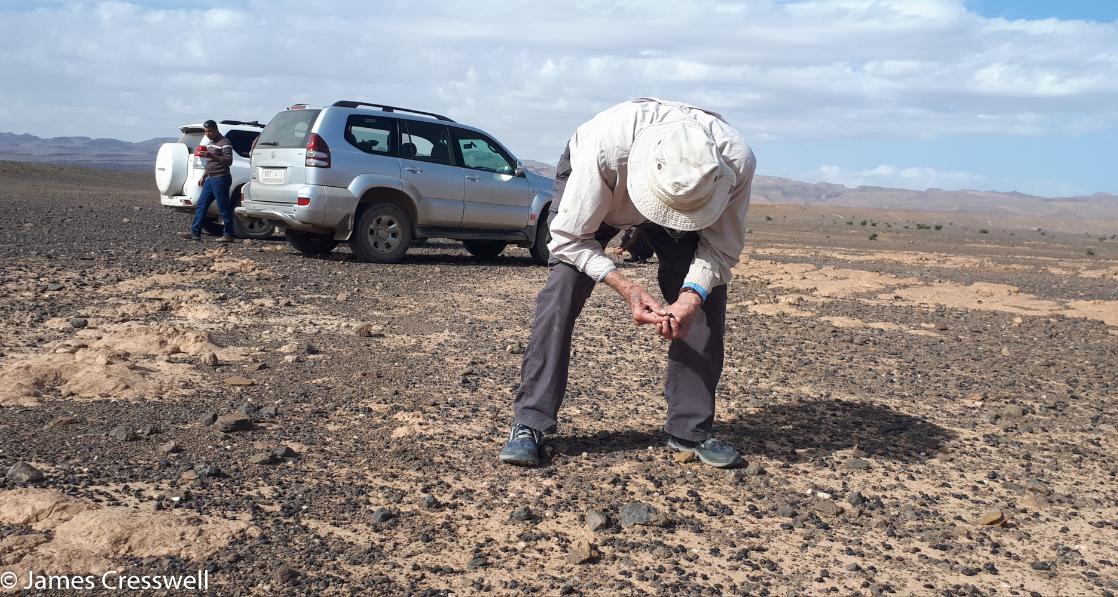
523,447
225,240
711,451
189,236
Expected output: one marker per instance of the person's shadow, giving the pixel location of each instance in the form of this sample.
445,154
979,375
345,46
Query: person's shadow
778,431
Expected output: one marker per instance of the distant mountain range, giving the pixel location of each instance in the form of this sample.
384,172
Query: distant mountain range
783,191
767,189
81,151
122,155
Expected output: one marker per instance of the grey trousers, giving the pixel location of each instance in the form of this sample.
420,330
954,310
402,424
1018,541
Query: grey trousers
694,363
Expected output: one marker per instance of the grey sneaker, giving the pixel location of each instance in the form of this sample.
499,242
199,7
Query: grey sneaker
189,236
523,446
714,452
225,239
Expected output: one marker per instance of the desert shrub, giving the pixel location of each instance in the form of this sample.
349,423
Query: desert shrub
938,226
863,223
983,231
1091,252
873,236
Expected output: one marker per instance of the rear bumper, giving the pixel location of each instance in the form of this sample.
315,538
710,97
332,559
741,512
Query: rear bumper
330,209
185,204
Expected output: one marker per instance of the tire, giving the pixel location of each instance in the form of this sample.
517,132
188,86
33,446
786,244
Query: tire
382,235
213,227
485,249
310,243
249,227
171,168
252,228
539,251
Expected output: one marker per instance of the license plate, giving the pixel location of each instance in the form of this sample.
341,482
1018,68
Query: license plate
271,174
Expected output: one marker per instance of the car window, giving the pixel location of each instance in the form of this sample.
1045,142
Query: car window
482,153
242,141
425,142
371,134
289,128
191,139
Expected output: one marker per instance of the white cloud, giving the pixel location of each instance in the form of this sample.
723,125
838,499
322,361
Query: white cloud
530,72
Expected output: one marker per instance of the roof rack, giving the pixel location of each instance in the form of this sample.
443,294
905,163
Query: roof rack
238,122
352,104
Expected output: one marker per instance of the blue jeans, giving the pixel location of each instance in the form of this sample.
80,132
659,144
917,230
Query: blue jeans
215,187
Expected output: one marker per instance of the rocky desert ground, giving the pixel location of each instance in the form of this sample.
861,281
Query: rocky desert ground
925,402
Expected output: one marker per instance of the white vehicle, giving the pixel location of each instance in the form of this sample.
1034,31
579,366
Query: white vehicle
177,172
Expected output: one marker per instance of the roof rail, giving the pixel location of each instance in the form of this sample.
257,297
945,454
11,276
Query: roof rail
238,122
352,104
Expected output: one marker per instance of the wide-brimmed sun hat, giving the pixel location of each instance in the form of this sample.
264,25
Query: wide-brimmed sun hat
677,178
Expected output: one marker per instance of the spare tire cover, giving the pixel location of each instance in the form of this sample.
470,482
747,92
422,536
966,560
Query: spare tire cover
171,164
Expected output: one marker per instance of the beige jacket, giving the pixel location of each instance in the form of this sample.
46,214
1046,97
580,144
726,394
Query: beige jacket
596,192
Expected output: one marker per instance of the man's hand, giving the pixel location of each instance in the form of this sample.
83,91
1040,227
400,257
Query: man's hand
682,312
201,181
615,251
644,308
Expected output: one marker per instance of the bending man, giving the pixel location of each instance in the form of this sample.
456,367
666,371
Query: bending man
683,176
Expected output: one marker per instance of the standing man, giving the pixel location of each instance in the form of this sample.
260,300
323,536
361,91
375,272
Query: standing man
215,183
683,176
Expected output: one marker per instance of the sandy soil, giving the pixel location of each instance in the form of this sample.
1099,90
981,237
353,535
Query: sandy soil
887,394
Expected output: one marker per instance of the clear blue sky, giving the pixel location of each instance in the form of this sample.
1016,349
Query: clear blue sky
988,94
1089,10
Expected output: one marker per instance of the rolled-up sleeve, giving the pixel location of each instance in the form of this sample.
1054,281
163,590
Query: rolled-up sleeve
585,203
721,244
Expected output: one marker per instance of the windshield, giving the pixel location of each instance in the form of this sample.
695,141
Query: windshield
289,128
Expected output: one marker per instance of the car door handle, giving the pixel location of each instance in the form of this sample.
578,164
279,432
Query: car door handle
414,170
473,178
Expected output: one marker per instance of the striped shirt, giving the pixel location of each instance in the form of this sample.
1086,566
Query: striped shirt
219,166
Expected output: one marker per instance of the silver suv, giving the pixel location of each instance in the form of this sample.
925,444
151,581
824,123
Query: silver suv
382,177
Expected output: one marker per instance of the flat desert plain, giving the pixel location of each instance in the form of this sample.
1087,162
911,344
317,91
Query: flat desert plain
930,411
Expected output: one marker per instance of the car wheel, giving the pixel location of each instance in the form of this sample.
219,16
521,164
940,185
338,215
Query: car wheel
310,243
539,251
382,235
252,228
249,227
485,249
213,227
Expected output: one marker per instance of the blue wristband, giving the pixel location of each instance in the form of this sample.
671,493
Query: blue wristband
699,289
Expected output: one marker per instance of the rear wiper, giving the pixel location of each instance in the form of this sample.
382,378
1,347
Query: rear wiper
272,143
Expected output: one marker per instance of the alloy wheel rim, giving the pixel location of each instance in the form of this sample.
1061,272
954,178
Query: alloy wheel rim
384,232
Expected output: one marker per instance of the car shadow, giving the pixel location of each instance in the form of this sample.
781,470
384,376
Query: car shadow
778,431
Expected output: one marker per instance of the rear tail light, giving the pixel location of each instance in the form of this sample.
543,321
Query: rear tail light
254,140
318,153
303,201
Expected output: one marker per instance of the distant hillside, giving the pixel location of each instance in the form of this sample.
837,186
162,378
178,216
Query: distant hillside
80,151
540,168
122,155
767,189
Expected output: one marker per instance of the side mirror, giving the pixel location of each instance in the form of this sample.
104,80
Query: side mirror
519,169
